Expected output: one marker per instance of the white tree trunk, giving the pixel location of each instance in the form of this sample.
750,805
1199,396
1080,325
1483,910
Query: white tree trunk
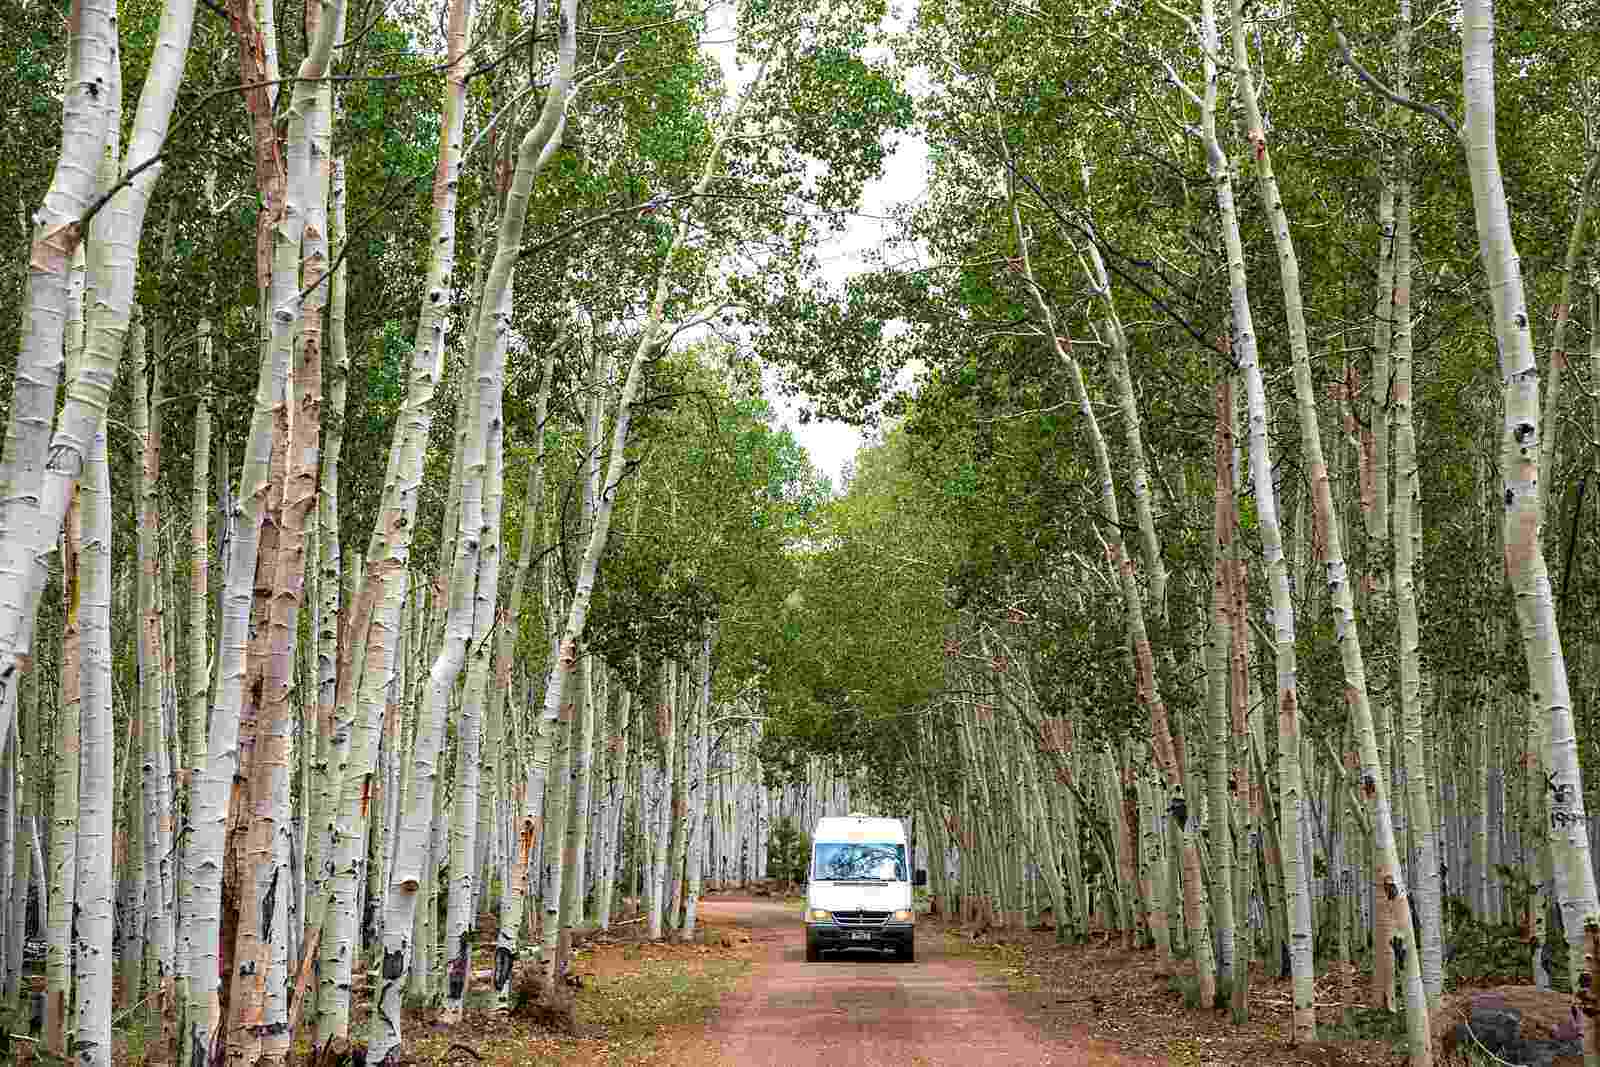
25,540
514,893
1519,452
95,885
697,804
65,812
157,798
464,824
90,116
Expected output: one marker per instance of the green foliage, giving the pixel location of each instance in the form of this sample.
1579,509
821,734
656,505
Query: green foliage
788,852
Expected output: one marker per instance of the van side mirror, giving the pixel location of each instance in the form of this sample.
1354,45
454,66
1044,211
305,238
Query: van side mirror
919,878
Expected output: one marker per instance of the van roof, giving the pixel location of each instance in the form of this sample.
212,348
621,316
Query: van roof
835,828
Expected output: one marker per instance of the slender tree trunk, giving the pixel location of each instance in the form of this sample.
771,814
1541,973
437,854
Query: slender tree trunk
157,843
514,894
461,918
213,797
1218,779
65,804
697,803
1146,684
95,886
1407,548
1243,344
199,674
667,732
650,339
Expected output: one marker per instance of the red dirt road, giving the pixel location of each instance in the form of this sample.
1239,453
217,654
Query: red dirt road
862,1010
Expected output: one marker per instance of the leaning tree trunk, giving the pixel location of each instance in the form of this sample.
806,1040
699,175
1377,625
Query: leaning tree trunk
1519,461
1243,344
514,893
366,645
26,537
1146,684
88,119
401,905
1374,782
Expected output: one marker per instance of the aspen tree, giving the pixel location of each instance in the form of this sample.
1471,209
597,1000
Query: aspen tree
64,824
212,799
199,676
580,739
1243,347
1216,663
10,825
25,735
1563,315
325,239
1147,686
667,732
533,153
1407,548
157,799
697,804
90,118
651,338
95,884
486,584
365,647
65,810
678,805
1519,459
514,893
259,997
621,754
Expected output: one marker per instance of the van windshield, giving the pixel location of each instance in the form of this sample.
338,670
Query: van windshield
879,861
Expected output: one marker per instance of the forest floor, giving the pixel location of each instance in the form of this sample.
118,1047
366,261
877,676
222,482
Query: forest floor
743,994
1126,1001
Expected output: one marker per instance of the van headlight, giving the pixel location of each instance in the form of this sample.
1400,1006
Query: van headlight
905,915
817,915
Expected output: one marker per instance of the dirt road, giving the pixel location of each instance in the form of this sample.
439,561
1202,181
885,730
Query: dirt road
862,1010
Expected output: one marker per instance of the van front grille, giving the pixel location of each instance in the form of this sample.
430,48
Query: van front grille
860,918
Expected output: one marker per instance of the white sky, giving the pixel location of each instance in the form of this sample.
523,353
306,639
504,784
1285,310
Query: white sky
832,444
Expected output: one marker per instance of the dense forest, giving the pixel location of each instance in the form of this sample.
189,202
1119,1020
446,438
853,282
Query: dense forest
400,542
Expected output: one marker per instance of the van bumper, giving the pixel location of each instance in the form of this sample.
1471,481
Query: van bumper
830,937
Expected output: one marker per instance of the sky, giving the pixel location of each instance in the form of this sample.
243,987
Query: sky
833,444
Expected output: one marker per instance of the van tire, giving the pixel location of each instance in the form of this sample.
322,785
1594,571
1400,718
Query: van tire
813,953
907,953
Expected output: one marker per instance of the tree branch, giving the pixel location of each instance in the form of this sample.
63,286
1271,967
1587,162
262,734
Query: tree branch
1387,93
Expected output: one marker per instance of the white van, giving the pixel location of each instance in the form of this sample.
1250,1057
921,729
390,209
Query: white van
859,893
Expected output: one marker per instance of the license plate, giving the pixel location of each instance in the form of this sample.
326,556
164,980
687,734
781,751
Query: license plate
860,935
